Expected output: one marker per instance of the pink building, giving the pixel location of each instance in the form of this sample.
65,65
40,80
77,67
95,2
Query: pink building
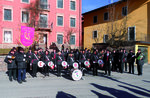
57,21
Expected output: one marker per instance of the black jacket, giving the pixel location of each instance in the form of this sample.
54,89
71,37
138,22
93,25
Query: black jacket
12,64
21,60
107,61
59,59
70,60
131,57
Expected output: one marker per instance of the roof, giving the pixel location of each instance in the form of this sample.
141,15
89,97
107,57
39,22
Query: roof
120,1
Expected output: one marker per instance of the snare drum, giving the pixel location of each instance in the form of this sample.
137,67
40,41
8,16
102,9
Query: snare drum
41,64
75,65
76,74
51,65
64,64
87,64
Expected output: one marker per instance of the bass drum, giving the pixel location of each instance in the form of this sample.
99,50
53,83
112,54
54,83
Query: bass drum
87,64
75,65
76,74
41,64
64,64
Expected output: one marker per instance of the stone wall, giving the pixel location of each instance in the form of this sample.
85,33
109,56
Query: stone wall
3,65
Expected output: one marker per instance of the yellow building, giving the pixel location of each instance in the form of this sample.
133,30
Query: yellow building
132,15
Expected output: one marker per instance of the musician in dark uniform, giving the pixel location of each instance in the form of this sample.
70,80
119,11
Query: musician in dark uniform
21,62
107,62
46,59
29,55
53,55
58,62
70,60
131,60
140,61
94,59
11,64
125,59
77,54
35,58
121,63
66,53
114,60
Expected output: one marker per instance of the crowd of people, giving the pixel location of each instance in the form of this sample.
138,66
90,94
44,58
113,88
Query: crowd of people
120,61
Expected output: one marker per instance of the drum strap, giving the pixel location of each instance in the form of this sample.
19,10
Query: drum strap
72,59
84,57
36,57
60,58
47,58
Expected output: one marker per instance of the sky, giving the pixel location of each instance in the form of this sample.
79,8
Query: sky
88,5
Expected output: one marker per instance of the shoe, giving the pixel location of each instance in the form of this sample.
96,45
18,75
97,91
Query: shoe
15,79
10,80
24,80
19,82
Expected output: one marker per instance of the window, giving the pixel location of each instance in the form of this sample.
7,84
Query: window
43,21
106,16
25,16
131,33
72,5
7,36
60,20
60,39
8,14
124,11
25,1
72,39
105,38
43,4
94,34
72,22
59,3
95,19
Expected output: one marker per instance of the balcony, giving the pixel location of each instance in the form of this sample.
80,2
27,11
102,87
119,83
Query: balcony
45,7
42,26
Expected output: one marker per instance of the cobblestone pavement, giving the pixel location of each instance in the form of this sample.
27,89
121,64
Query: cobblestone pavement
116,86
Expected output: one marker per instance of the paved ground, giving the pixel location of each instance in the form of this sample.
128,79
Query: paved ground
116,86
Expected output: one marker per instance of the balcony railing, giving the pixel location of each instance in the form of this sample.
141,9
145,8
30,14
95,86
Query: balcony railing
44,6
42,25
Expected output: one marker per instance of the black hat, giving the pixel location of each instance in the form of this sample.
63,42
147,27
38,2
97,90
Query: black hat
21,49
139,49
30,48
11,50
36,50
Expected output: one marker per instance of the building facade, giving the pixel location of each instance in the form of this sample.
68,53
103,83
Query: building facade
55,21
130,14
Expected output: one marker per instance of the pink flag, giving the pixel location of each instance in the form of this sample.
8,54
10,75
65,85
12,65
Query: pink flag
27,35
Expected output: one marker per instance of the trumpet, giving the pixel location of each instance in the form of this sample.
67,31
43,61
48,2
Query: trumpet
11,57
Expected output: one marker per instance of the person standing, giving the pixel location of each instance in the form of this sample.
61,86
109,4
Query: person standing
125,59
131,60
70,60
114,61
11,64
121,63
94,59
140,61
58,62
21,62
29,55
35,58
107,62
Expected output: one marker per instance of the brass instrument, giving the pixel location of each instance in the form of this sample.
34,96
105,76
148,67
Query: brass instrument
11,57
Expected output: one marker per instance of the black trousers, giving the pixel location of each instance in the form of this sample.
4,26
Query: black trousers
46,69
12,73
121,67
131,67
114,67
59,68
108,69
95,66
34,69
139,69
125,65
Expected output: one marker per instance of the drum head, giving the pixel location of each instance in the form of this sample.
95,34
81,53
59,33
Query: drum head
76,75
40,64
64,63
75,65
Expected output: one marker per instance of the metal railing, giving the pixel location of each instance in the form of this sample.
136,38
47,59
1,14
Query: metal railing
43,25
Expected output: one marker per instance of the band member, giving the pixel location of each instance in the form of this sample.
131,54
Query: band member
77,54
63,53
29,55
125,59
11,64
53,55
101,56
58,62
131,59
107,62
66,53
94,59
21,62
70,60
121,63
140,61
114,60
46,59
35,58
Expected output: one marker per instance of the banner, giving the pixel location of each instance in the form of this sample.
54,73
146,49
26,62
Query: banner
27,35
